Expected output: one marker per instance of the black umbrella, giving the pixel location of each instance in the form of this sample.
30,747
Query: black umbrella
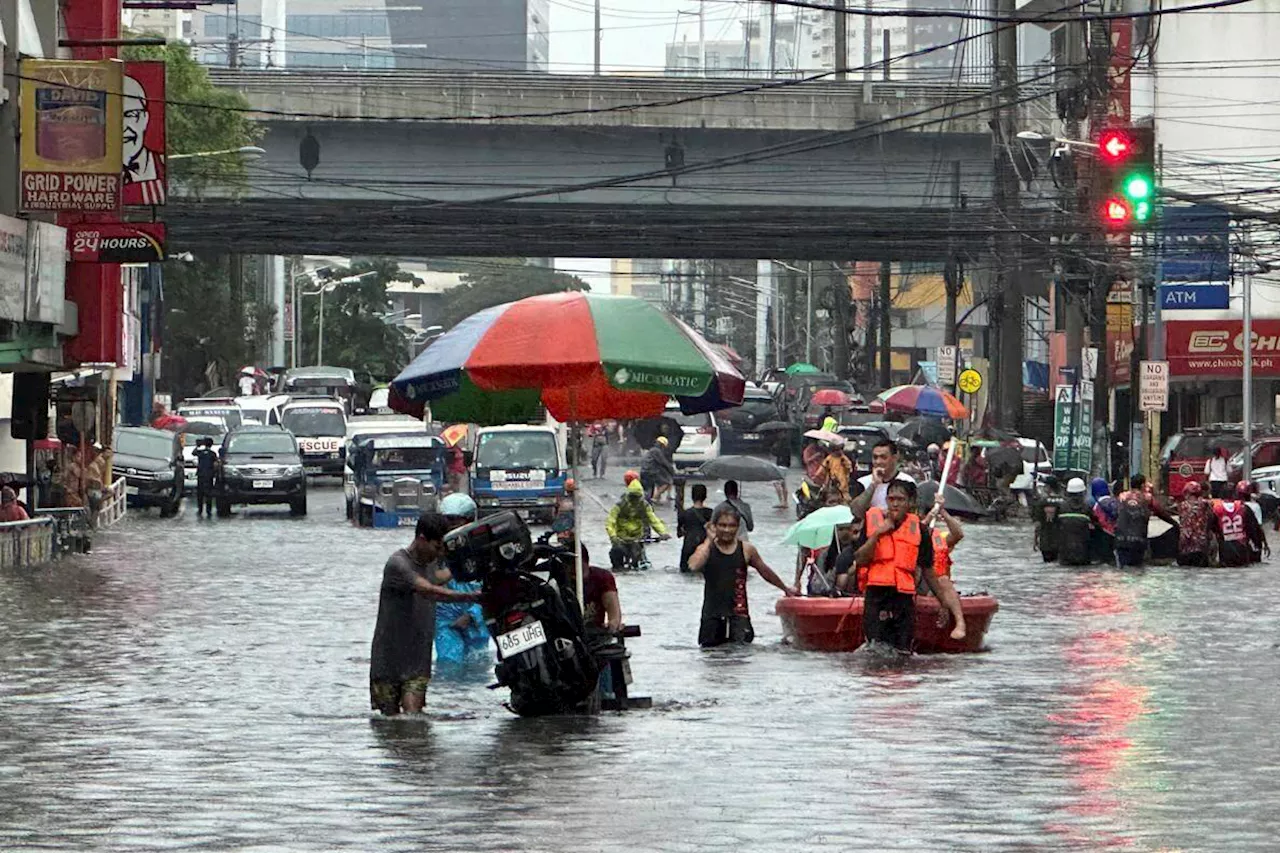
745,468
925,431
646,432
775,426
959,502
1004,461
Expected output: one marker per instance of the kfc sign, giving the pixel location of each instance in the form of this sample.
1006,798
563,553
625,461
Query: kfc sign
1216,347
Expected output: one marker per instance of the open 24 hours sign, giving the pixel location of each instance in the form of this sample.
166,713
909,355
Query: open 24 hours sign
116,242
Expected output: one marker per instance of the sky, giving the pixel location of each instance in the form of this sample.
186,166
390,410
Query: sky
634,36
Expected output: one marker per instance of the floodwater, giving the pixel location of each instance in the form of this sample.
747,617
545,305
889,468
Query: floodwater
203,685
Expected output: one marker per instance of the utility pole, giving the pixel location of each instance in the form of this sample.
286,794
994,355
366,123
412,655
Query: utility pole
596,41
866,43
808,315
702,36
953,272
773,40
1102,273
886,345
840,50
1008,306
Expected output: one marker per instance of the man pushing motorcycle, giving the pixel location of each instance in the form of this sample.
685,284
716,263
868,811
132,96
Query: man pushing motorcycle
628,522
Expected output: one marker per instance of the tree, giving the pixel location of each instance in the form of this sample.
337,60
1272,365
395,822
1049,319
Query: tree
498,282
356,335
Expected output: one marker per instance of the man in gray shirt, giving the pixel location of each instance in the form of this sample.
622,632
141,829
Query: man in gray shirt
413,580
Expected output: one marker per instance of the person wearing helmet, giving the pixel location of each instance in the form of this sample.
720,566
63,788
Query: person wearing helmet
1046,512
628,522
461,635
1195,527
1075,525
657,471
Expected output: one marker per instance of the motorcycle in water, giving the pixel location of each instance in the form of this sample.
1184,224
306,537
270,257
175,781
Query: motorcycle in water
544,657
634,558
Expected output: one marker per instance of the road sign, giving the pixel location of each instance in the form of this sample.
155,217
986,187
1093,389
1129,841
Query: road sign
947,364
1153,386
1194,297
1086,391
970,381
1072,428
1089,363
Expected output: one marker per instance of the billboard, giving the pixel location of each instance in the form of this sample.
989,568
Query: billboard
71,127
143,176
1209,348
1195,244
116,242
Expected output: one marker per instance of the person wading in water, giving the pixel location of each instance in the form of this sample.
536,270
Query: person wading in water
723,560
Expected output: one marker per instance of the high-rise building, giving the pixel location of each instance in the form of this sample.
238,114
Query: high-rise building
476,35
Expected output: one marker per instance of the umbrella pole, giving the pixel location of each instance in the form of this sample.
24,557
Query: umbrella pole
574,436
946,472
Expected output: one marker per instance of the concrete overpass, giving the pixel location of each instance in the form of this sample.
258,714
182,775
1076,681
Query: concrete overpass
531,164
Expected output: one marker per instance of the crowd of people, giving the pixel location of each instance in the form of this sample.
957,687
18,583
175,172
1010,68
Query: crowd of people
1101,524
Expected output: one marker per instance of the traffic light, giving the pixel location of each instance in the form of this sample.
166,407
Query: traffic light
1126,177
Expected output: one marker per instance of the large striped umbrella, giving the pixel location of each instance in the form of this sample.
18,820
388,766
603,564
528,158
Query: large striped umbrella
922,400
584,356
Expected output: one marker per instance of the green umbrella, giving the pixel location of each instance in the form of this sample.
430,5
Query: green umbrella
801,367
816,529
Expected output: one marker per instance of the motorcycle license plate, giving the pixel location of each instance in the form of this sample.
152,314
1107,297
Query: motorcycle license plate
521,640
263,484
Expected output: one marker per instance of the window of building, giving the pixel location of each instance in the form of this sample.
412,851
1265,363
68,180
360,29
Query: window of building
346,25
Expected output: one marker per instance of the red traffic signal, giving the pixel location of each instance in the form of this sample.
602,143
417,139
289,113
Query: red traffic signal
1115,212
1115,146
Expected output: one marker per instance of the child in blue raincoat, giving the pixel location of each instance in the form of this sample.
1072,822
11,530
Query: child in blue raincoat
461,635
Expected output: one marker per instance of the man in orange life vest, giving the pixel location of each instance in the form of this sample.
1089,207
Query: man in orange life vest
897,549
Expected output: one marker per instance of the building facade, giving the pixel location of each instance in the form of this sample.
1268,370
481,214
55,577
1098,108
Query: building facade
506,35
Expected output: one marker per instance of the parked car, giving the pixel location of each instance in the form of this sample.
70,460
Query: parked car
737,425
262,408
1264,471
150,460
701,437
336,382
1183,457
191,441
261,465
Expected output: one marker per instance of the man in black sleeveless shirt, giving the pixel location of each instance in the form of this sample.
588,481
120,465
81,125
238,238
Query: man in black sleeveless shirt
723,560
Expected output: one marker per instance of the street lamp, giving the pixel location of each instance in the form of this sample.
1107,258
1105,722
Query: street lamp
323,289
246,152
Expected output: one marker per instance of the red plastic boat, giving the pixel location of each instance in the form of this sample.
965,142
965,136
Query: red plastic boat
835,624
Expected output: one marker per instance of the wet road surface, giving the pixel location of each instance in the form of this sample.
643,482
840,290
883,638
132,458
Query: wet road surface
197,684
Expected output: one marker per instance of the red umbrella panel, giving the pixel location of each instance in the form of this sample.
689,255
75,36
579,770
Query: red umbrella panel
830,397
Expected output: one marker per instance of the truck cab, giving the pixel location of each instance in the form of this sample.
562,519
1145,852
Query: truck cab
518,467
320,426
397,477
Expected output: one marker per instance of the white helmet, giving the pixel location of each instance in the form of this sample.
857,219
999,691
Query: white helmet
1075,486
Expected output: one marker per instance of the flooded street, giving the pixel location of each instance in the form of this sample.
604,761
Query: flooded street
202,684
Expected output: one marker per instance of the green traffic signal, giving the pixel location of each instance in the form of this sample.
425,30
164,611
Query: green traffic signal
1142,211
1137,187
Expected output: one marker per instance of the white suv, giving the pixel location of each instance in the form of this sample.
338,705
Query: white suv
701,437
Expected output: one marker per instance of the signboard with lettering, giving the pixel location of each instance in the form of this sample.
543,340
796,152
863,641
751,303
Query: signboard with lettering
1153,386
13,268
947,364
1072,429
1194,297
1216,347
116,242
1195,244
71,126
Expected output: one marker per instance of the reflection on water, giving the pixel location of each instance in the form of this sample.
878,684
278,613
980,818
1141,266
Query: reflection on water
204,684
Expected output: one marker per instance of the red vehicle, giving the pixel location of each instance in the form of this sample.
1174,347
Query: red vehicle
835,624
1183,457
